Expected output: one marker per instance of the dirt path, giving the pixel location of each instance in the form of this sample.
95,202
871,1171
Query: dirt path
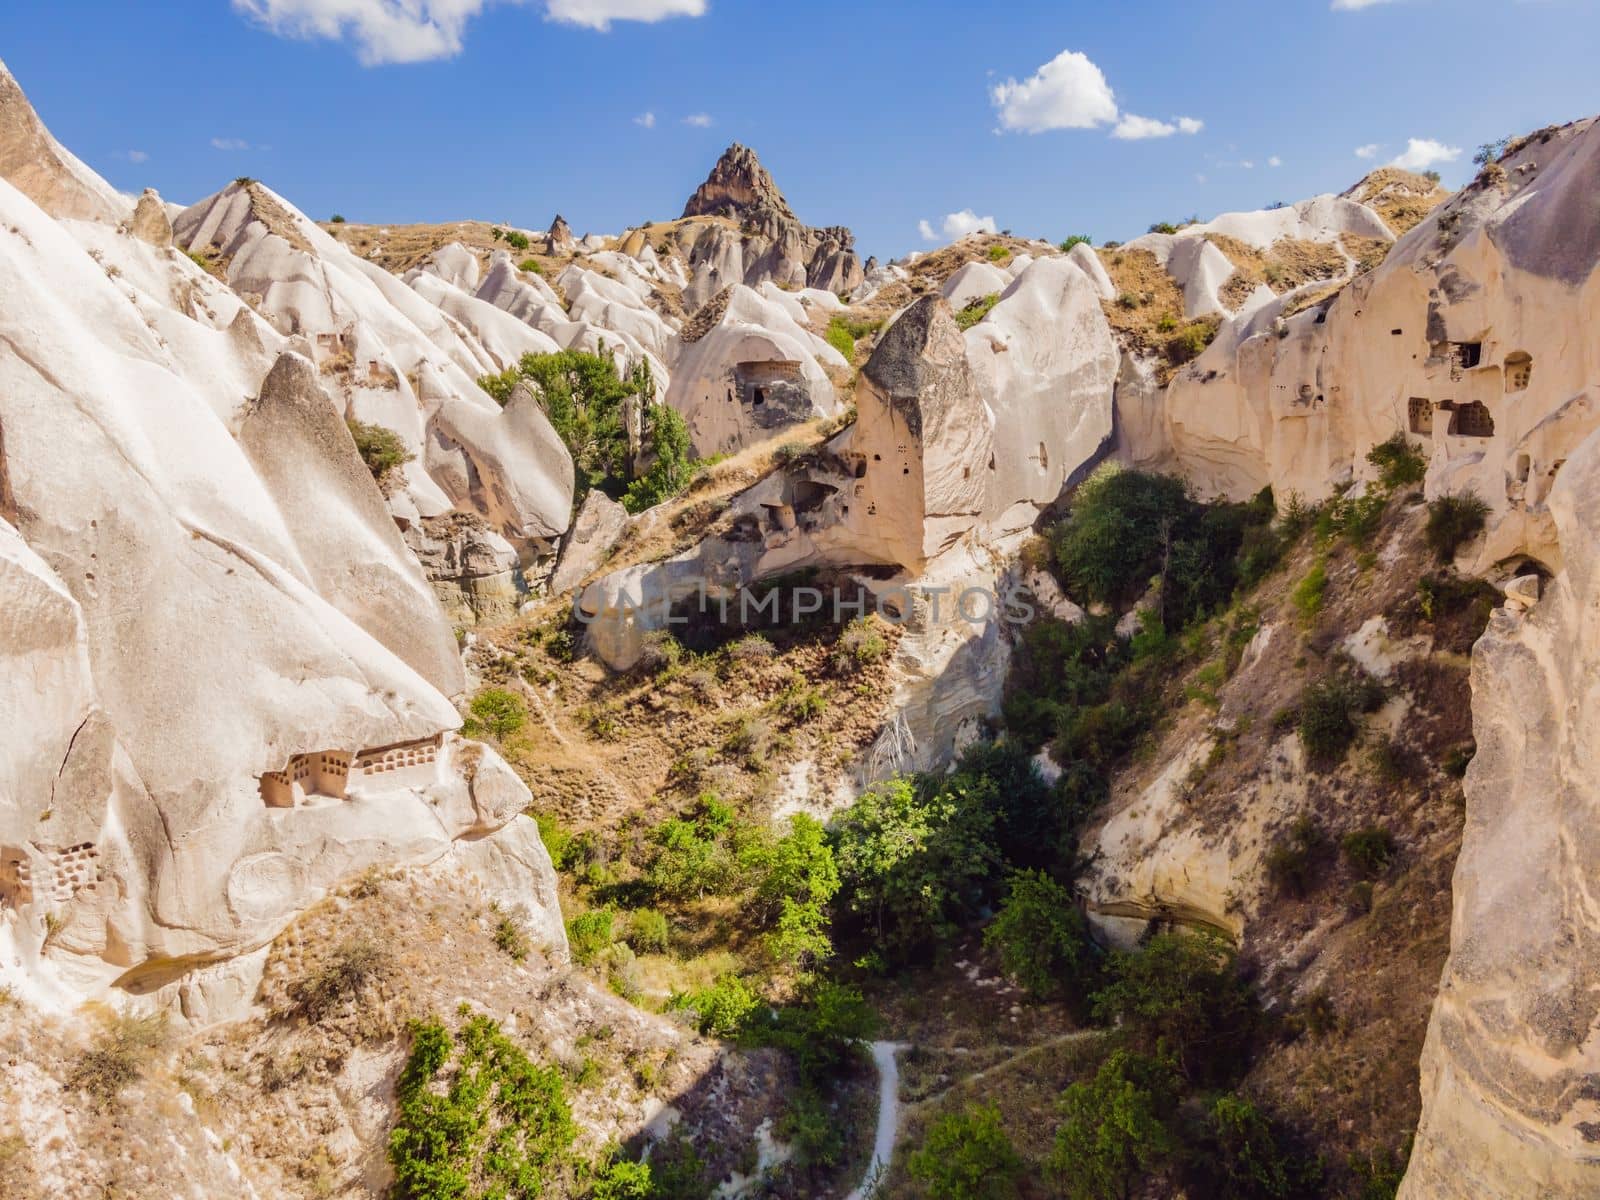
883,1057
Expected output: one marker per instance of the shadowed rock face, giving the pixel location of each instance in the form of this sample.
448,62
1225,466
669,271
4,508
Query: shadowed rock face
42,169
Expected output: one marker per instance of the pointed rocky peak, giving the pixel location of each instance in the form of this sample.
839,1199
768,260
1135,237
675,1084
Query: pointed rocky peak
42,169
560,234
736,185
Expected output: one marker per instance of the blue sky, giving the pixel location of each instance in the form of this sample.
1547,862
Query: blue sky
879,115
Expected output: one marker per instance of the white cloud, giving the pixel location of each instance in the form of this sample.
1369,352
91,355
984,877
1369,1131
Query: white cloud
408,31
699,120
1274,161
1200,179
1137,129
220,143
598,14
133,156
1068,92
1248,165
957,225
646,120
1423,154
1356,5
1370,150
1133,128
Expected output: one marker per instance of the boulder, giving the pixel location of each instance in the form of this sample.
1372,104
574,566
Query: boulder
149,222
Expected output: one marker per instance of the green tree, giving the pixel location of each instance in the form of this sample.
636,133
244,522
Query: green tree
380,448
967,1156
1111,1133
912,863
671,460
497,712
1041,937
1236,1154
1182,994
798,880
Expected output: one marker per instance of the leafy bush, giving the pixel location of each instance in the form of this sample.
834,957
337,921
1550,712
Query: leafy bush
912,864
721,1010
648,931
336,219
1369,851
798,879
1310,592
1074,240
1112,1131
860,645
672,464
497,713
976,310
750,648
1190,341
840,338
477,1117
1041,937
998,253
1454,520
118,1056
531,265
381,449
967,1156
621,1179
1399,463
1163,227
1238,1154
517,241
1180,994
1293,858
590,935
822,1031
1329,709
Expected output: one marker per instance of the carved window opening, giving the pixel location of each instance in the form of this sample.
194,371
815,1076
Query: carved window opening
1519,371
1419,410
1471,420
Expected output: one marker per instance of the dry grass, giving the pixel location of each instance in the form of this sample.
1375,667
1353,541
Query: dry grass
1289,263
1368,252
1400,197
1148,304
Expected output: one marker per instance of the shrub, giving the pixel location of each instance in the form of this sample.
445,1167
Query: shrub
336,219
860,645
840,338
1378,1175
496,712
1310,592
1237,1154
1115,535
648,931
1127,300
530,265
119,1055
976,310
822,1031
798,881
1041,937
1292,861
1112,1133
1369,851
476,1116
998,253
721,1010
1190,342
1181,994
1074,240
1457,759
517,241
353,966
1454,520
1329,710
967,1156
812,1127
751,648
381,449
590,935
672,464
660,650
1163,227
509,938
622,1180
1399,463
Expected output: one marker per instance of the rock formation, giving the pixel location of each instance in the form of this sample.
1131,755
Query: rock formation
738,228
